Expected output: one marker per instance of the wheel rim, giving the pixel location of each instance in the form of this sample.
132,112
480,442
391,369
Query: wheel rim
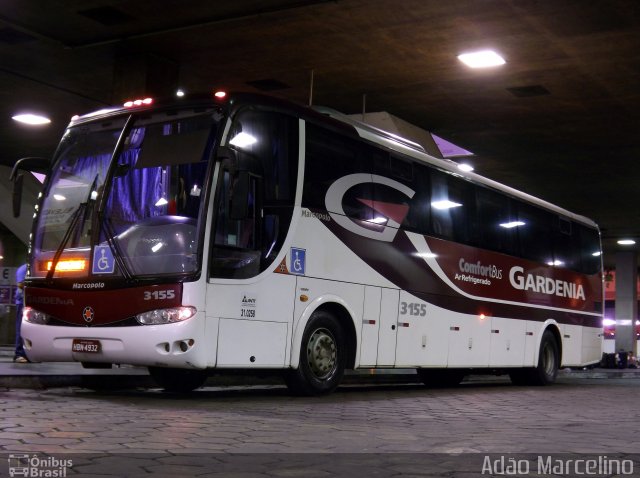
548,360
322,354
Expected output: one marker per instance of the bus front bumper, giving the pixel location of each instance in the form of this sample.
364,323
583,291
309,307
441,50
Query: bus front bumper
180,345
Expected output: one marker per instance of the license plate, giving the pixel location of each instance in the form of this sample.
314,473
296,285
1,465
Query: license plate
86,346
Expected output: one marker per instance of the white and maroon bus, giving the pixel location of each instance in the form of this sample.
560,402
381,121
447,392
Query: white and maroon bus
243,232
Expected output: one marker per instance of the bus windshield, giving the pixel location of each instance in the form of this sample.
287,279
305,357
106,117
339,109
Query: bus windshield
137,217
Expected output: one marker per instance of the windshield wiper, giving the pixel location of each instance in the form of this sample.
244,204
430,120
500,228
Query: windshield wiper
115,248
81,211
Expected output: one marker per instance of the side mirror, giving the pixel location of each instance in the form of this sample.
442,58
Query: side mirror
227,155
35,165
239,208
39,165
17,194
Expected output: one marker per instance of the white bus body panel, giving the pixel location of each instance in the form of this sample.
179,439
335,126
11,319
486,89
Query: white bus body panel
255,317
370,327
508,338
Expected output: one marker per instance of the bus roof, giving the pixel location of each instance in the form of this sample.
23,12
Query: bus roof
365,131
410,148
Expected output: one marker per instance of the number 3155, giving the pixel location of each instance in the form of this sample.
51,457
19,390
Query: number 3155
159,294
412,308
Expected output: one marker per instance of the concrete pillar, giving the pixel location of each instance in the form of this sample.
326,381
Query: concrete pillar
626,301
138,75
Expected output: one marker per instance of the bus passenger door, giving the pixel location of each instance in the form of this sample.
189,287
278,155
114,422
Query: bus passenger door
387,334
253,208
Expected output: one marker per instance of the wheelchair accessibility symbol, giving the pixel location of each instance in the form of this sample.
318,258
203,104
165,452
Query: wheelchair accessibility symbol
298,260
103,262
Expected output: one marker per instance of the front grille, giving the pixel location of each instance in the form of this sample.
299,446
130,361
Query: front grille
128,322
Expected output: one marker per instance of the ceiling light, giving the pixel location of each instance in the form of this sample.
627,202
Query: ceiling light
180,93
481,59
626,242
31,119
445,204
466,167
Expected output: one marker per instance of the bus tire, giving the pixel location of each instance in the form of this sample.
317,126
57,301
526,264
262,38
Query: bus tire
178,380
548,361
440,378
322,357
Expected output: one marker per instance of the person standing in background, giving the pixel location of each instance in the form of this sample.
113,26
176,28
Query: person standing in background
20,356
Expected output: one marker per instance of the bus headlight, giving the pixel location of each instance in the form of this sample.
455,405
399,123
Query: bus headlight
166,316
35,316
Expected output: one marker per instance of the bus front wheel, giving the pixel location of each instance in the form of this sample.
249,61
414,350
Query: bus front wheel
322,357
178,380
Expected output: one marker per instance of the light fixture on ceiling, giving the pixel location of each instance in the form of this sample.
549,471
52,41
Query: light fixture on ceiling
481,59
31,119
626,242
466,167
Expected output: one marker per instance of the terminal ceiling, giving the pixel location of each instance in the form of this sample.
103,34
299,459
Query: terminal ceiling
560,120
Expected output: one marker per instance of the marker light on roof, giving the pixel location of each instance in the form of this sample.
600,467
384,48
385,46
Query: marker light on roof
140,102
220,94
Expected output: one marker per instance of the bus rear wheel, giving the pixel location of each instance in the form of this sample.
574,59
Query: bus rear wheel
178,380
546,371
548,361
322,357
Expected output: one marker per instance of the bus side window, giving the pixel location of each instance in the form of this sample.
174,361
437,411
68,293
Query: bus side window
565,239
329,158
452,208
591,260
411,174
234,253
534,235
497,222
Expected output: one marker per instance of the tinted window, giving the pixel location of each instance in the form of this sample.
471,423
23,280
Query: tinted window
497,223
566,244
452,208
330,157
534,234
589,240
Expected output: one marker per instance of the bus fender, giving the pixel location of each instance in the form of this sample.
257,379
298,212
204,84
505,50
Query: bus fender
301,323
552,325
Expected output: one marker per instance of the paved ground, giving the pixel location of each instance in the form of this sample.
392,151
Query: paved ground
262,431
367,428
